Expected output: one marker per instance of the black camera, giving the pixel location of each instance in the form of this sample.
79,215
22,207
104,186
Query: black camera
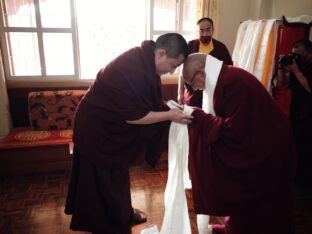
288,59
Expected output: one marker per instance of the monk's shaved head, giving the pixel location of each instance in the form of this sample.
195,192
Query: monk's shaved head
192,63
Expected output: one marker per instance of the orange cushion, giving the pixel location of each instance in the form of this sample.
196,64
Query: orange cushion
53,110
26,137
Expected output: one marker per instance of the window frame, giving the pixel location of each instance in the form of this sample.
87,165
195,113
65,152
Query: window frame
178,29
178,21
39,30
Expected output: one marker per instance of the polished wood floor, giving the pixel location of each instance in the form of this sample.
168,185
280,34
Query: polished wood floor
34,203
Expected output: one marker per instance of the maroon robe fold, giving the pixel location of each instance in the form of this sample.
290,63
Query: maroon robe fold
128,88
194,98
219,50
243,160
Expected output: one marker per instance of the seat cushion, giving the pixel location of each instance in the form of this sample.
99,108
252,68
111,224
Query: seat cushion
26,137
53,110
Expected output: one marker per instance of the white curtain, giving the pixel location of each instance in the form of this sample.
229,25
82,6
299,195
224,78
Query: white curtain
255,48
5,117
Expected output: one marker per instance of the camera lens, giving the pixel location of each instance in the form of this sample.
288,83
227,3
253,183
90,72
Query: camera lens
288,59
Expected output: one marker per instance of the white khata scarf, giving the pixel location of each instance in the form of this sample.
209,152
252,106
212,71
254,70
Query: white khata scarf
176,219
212,69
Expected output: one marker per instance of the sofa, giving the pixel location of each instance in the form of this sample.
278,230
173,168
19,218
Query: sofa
45,145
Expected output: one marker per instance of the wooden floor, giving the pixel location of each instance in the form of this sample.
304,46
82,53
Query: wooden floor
34,203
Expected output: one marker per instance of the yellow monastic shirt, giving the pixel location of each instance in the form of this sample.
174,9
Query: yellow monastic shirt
206,49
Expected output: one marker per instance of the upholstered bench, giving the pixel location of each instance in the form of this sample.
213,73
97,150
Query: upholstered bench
44,145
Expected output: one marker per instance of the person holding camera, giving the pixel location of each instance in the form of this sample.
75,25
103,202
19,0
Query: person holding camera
295,75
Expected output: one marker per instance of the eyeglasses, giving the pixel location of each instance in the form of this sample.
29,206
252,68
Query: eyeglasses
189,82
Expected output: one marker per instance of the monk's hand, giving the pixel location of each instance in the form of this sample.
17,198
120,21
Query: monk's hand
177,115
293,67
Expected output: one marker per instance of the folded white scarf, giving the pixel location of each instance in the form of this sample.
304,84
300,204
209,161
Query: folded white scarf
176,219
212,69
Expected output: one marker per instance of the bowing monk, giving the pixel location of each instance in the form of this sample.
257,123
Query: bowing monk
121,121
242,153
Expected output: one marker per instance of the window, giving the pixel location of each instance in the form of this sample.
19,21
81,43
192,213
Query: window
174,15
37,39
73,39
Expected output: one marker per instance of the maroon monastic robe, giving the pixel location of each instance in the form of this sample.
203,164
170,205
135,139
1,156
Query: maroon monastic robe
126,89
219,50
106,145
243,160
194,98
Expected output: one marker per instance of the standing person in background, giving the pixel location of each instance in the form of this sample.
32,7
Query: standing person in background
207,45
295,74
121,121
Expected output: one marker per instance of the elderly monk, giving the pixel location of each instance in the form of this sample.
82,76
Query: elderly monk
208,45
121,121
242,154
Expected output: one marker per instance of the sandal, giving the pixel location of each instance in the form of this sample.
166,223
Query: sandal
138,217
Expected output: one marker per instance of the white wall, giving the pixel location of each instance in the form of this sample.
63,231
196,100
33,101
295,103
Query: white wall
291,8
265,9
232,12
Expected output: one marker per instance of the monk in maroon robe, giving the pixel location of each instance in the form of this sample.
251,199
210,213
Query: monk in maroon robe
121,120
208,45
242,157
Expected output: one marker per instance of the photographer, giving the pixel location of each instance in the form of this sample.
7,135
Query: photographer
295,75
